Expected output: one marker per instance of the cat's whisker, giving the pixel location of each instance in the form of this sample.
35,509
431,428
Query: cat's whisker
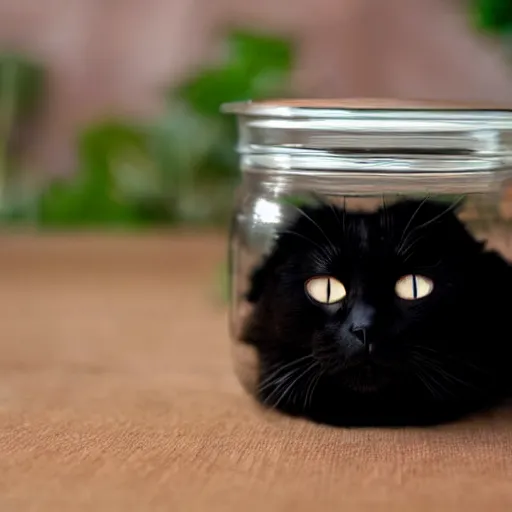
307,239
386,220
417,362
407,250
320,199
435,369
279,368
444,390
335,214
436,388
344,214
278,380
429,222
291,386
279,384
442,214
312,389
404,232
308,217
422,378
308,383
457,358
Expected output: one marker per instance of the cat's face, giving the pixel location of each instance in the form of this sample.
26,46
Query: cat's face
368,304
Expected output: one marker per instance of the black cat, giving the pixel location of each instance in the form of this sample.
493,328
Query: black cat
397,317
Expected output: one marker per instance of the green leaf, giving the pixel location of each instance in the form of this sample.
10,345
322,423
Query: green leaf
493,15
259,52
93,196
207,91
256,67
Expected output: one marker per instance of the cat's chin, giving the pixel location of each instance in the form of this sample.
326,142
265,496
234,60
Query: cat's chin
365,378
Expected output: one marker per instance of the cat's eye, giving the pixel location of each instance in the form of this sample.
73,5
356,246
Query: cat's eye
326,289
413,287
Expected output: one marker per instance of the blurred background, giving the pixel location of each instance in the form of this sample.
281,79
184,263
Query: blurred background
109,109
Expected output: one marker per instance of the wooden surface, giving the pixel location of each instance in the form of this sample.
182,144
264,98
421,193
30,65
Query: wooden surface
117,394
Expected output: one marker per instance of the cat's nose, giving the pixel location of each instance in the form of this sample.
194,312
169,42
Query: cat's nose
360,321
359,332
367,346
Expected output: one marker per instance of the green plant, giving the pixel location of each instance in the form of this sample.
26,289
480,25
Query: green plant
22,88
493,16
181,167
93,196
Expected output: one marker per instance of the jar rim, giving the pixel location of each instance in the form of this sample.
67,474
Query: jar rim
391,136
388,107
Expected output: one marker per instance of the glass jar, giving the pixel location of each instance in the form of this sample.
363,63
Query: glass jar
339,197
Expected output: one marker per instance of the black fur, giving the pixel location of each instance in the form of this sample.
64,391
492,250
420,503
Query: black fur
432,360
